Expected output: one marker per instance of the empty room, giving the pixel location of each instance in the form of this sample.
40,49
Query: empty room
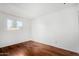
39,29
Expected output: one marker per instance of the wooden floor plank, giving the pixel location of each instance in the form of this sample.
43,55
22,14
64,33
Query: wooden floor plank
32,48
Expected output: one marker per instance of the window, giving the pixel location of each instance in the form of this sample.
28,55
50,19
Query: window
14,24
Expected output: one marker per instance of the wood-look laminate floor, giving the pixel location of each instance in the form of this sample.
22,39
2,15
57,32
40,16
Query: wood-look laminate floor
31,48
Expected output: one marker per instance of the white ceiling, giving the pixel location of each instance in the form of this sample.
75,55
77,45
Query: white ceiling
31,10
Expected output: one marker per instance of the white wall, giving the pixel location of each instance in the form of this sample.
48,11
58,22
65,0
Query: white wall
12,37
59,29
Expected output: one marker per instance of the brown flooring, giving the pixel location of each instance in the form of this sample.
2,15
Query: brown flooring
31,48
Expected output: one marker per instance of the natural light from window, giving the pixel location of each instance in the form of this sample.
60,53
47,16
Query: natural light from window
14,24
